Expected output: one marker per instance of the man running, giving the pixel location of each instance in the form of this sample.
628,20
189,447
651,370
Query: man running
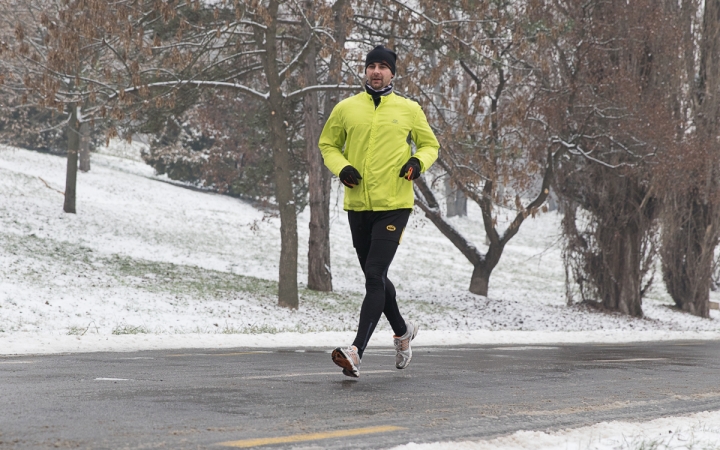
366,142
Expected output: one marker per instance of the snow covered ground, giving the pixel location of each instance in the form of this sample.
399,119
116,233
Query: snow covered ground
145,264
696,432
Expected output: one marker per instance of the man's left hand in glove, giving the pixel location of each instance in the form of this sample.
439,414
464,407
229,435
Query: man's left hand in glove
411,169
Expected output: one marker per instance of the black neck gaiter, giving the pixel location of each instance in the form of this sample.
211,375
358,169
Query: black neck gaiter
377,94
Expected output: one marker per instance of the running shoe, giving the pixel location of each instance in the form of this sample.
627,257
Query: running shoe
348,359
403,352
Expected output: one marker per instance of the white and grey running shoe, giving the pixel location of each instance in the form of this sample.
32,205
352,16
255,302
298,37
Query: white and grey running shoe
348,359
403,352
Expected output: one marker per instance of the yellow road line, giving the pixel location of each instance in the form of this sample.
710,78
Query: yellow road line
245,443
629,360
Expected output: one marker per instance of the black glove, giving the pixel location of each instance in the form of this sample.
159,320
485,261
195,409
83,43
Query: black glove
411,169
350,176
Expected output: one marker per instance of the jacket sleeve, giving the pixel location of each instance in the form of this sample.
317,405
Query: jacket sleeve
332,140
425,141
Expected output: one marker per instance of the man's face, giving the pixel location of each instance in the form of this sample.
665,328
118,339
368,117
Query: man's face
379,75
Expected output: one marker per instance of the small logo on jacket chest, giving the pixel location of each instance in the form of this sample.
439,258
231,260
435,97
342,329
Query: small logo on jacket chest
391,227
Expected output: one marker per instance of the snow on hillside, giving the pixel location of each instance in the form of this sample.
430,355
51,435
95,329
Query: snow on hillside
146,264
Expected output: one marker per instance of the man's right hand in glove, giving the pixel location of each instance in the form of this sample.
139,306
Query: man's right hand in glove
350,176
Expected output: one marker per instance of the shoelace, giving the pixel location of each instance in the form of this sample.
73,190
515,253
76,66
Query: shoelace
401,344
353,354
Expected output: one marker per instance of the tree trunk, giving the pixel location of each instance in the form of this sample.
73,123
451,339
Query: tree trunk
480,280
72,161
620,277
319,274
624,224
456,201
287,280
85,147
611,255
687,254
483,264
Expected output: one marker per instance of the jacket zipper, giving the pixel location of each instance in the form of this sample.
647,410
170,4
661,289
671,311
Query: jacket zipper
371,148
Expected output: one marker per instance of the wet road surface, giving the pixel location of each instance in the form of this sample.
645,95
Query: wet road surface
246,398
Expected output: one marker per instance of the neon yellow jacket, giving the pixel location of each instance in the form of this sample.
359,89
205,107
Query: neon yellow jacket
376,142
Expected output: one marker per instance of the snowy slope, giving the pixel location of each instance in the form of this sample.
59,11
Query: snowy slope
146,261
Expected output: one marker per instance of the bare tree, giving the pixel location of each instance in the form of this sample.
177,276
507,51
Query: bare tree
464,64
604,101
691,174
275,75
127,56
319,177
23,123
53,57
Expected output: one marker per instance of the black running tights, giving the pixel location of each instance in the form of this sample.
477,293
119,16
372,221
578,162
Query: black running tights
375,257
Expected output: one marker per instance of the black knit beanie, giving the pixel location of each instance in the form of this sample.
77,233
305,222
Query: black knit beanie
383,55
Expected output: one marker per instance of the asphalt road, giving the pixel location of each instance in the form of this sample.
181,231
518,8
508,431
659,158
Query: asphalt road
298,399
